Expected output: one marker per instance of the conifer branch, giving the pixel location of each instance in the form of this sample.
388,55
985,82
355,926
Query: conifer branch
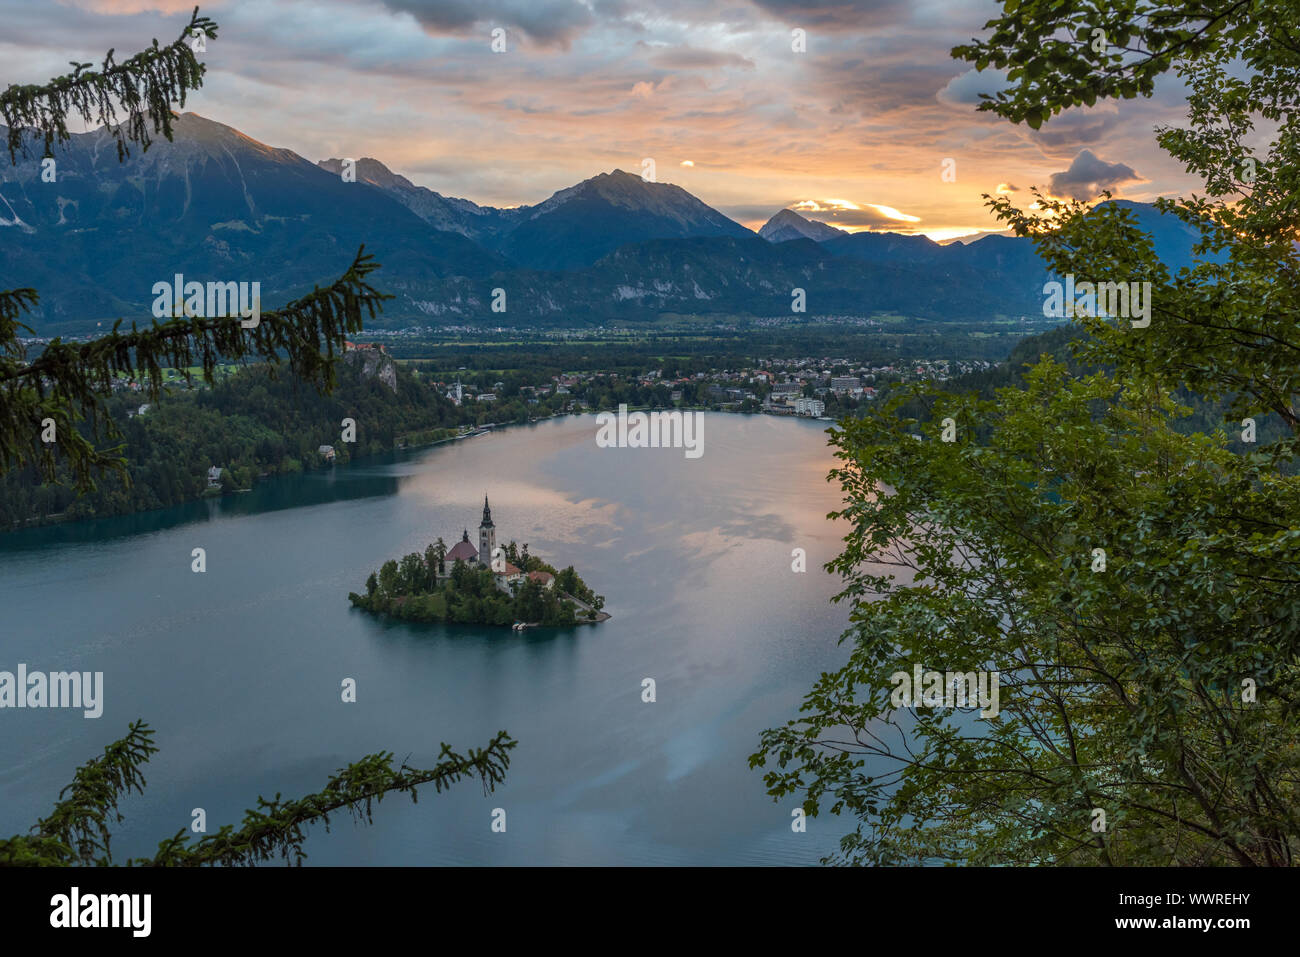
69,380
77,830
141,89
276,828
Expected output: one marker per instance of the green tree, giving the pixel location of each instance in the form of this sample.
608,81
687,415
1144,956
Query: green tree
412,574
65,386
462,576
567,581
1134,585
430,562
390,580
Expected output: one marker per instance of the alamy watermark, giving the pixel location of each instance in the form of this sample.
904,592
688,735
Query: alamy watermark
676,429
58,689
217,299
1118,300
946,689
75,910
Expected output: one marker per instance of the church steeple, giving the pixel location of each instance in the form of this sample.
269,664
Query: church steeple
487,536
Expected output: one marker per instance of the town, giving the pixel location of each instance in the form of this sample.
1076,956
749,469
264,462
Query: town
814,386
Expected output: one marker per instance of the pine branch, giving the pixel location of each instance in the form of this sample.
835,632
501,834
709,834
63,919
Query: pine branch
68,381
13,303
142,89
277,828
77,830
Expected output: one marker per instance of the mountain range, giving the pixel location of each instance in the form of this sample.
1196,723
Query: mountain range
216,205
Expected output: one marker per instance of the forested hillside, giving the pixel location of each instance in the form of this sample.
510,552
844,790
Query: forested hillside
1204,415
250,424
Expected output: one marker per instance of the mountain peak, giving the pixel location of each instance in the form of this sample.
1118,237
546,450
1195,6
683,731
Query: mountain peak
370,170
787,225
199,129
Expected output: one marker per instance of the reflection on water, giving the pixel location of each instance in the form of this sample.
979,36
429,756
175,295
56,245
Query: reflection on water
240,668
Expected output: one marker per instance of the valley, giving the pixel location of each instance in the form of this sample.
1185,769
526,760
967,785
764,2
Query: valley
612,250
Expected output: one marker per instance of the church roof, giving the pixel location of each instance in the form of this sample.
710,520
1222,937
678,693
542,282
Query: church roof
487,515
464,550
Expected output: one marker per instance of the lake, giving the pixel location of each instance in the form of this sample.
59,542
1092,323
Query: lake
239,668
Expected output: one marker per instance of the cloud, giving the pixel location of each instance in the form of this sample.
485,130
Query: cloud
1088,175
870,110
963,91
1079,127
1005,189
128,7
693,58
850,215
841,213
846,13
547,23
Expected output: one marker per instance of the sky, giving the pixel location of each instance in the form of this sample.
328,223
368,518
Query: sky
857,129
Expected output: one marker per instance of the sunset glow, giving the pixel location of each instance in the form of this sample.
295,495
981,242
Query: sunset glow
585,89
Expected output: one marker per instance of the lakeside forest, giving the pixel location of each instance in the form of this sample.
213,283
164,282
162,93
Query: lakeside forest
254,423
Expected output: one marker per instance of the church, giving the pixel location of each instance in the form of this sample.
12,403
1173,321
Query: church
464,550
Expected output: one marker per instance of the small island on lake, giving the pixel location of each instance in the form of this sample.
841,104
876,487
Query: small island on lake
487,585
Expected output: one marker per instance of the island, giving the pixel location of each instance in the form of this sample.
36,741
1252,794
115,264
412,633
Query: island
487,585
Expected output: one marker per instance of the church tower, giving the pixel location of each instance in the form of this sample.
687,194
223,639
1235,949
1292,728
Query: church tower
487,536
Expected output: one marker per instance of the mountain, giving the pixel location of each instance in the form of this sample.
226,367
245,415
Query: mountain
735,276
479,223
574,228
787,225
216,205
886,247
213,205
579,225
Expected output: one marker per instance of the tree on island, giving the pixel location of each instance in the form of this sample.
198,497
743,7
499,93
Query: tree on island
413,573
471,594
63,389
1135,586
434,556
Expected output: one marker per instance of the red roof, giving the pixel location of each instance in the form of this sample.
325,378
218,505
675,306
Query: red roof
463,550
542,577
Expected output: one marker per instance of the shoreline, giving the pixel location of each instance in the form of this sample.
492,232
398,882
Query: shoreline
207,495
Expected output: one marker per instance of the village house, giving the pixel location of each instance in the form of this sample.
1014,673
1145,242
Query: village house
546,579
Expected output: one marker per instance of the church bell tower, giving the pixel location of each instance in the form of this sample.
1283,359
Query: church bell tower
487,536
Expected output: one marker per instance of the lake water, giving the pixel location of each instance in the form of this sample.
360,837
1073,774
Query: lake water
239,669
